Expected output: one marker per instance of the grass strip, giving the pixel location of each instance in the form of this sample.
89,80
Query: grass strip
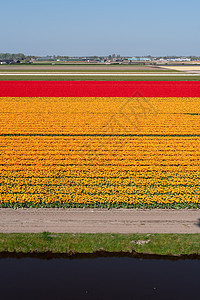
71,244
97,70
99,78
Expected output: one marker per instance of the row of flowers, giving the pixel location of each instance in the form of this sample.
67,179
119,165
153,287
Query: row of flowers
99,152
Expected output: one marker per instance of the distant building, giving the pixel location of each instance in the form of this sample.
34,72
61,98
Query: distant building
179,59
144,59
46,58
139,59
132,59
6,61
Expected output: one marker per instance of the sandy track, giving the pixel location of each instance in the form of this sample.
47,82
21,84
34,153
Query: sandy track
184,68
100,220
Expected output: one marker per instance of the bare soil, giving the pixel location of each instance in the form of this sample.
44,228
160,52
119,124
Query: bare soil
99,220
193,69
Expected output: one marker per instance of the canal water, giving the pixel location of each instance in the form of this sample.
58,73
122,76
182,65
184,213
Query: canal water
99,278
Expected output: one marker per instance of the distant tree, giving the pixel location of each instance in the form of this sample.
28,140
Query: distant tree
17,56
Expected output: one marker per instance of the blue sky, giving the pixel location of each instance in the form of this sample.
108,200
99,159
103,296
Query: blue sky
89,27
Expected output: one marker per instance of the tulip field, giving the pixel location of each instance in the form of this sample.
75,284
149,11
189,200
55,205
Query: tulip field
100,144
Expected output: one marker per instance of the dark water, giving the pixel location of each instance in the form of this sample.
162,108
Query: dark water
99,278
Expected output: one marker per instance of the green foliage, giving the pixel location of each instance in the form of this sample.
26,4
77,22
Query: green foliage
17,56
108,205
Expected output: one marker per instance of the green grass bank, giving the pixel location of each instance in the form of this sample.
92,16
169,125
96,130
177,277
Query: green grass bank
72,244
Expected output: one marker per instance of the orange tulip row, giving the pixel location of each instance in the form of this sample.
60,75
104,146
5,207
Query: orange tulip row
104,152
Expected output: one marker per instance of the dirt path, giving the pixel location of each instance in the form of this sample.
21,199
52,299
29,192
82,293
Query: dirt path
100,220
